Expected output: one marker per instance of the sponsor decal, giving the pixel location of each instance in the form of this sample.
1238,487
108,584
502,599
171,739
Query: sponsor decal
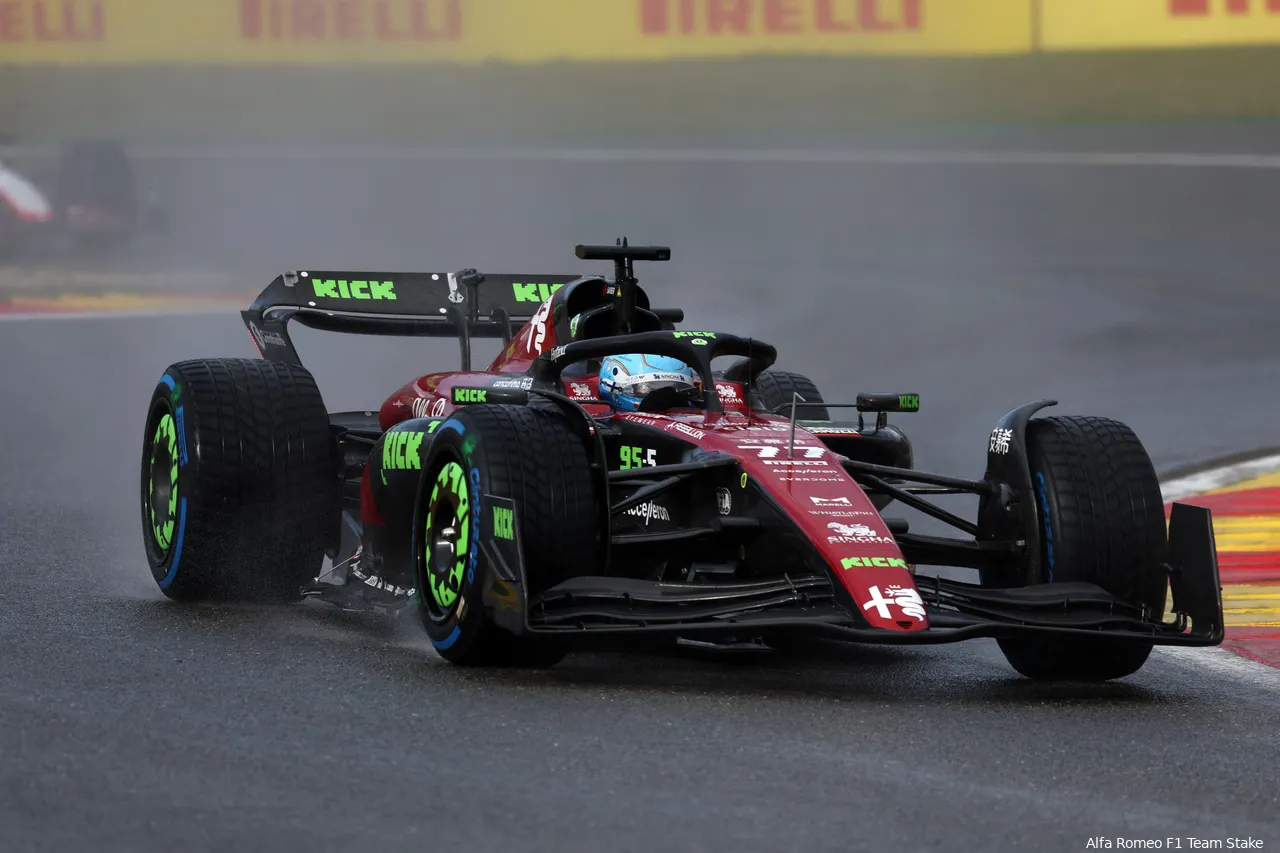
400,451
821,430
557,353
1204,8
1000,439
521,383
474,475
856,534
797,462
802,477
538,329
265,339
333,23
752,442
700,19
839,513
724,501
424,407
580,391
876,562
728,392
842,501
636,457
693,334
182,435
772,451
649,511
687,430
533,292
342,289
905,599
743,480
642,420
909,402
470,395
756,427
504,523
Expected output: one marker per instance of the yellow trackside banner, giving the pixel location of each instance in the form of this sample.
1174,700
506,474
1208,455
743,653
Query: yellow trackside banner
1107,24
301,32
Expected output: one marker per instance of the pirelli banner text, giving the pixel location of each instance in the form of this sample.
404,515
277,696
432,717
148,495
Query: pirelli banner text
1111,24
334,32
284,32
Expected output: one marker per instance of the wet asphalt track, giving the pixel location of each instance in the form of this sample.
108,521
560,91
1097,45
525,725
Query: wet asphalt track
128,723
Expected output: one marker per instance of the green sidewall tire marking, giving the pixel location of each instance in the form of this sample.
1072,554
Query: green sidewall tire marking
166,437
452,480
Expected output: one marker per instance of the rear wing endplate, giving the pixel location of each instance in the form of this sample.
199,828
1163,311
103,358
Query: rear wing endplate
402,304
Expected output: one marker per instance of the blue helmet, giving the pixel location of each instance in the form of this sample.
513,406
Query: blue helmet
625,380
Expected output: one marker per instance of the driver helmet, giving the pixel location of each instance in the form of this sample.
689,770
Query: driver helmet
625,380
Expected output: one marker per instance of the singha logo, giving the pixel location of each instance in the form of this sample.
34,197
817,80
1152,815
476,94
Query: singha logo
850,529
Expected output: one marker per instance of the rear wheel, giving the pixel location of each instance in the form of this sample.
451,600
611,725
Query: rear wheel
1102,522
534,458
776,387
239,481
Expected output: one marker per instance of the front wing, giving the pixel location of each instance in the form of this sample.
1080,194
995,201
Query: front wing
598,608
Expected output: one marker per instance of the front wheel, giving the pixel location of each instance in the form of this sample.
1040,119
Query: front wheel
525,475
1102,522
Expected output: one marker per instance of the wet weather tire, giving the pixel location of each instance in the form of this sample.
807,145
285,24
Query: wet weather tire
775,387
535,458
240,486
1102,522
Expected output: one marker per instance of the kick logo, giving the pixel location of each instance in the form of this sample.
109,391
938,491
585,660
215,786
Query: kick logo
907,600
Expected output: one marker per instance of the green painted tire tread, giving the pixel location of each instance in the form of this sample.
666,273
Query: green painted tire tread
1108,529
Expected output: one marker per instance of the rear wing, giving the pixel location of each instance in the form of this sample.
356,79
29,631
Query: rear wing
464,304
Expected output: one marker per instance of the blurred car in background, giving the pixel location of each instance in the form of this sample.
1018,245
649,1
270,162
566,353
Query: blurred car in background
90,203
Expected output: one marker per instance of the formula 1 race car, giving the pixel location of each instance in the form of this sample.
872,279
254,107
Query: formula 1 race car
91,202
523,515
